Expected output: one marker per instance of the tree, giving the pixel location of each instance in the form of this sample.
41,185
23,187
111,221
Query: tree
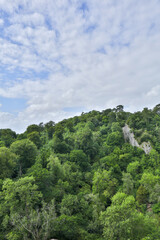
104,185
80,158
119,108
142,195
128,183
26,152
135,169
21,208
84,141
122,221
37,224
60,146
33,128
151,184
19,196
7,136
156,109
8,161
55,168
35,138
115,138
42,179
116,127
50,127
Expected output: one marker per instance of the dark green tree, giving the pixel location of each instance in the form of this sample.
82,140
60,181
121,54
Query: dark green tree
26,152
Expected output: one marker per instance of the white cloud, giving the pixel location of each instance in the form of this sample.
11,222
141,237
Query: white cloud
97,58
1,22
154,92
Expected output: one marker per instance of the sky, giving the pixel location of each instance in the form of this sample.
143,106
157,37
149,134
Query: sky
61,58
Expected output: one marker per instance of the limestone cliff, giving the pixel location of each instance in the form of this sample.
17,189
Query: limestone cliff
129,136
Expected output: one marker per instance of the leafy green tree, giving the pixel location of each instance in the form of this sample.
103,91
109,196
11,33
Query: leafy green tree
154,159
59,146
8,161
146,113
104,185
84,141
80,158
135,169
156,109
73,176
2,144
35,138
119,108
26,152
142,195
7,136
42,179
112,117
33,128
18,197
55,168
59,130
116,127
115,139
128,183
37,224
44,154
50,127
151,184
109,161
124,160
67,227
122,221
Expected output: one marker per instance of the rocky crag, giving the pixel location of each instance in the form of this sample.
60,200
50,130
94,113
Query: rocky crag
129,136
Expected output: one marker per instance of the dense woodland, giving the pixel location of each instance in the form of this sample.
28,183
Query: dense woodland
79,180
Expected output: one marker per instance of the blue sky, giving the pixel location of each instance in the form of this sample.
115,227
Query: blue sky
59,58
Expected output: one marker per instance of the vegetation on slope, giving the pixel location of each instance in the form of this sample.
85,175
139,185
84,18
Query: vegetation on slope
78,179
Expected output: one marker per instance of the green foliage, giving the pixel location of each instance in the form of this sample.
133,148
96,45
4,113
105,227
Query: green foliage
56,169
42,179
128,183
60,146
26,152
122,221
80,158
84,182
33,128
7,136
19,195
8,161
142,195
134,168
35,138
115,139
50,127
104,185
38,224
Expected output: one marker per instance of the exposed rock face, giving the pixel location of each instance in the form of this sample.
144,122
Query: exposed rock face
129,136
146,146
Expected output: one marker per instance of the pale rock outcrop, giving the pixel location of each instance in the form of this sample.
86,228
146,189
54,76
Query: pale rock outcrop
146,146
129,136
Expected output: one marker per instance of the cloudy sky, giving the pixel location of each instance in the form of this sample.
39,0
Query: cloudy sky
59,58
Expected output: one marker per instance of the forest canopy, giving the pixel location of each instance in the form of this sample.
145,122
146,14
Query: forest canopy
79,179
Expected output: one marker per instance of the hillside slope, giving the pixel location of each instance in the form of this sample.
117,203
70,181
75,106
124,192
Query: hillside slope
83,178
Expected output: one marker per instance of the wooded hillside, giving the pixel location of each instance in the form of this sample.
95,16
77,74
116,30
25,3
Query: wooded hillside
80,180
